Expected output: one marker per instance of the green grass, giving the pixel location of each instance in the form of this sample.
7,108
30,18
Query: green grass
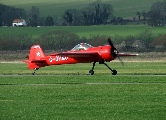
141,102
81,101
70,97
130,68
85,31
55,8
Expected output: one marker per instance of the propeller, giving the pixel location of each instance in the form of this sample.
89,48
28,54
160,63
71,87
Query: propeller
114,51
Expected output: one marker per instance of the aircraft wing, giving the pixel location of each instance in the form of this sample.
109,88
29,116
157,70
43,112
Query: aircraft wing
76,54
125,55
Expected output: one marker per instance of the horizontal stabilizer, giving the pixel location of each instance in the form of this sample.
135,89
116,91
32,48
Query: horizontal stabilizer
27,61
35,61
38,61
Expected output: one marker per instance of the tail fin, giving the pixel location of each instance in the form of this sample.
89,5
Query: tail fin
34,57
36,53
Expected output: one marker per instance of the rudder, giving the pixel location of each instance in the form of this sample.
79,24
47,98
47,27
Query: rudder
36,53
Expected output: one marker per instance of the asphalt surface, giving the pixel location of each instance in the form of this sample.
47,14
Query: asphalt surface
77,84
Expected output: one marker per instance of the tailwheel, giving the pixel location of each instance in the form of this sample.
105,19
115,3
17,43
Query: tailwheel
114,72
91,72
33,73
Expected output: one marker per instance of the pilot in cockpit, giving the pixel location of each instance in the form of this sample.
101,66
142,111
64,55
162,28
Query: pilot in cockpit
81,46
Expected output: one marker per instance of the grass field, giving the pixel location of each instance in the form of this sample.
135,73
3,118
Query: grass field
80,96
130,68
67,91
55,8
80,101
85,31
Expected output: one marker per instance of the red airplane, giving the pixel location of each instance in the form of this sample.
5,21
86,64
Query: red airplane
81,53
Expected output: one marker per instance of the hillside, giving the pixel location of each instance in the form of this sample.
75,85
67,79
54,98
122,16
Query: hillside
55,8
85,31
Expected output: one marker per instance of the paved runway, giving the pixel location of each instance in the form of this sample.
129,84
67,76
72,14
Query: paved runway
77,84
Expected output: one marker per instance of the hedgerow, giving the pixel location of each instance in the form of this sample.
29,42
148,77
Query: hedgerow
62,40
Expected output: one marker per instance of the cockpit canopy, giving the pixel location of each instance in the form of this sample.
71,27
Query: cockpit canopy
81,46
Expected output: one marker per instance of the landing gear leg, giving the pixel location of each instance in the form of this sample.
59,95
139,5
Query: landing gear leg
91,72
35,71
114,72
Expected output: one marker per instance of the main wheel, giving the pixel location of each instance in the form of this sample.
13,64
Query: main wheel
114,72
91,72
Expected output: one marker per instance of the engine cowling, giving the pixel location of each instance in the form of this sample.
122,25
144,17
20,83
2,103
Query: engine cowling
106,54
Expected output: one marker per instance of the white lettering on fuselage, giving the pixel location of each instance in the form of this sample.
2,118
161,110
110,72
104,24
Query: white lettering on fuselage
58,58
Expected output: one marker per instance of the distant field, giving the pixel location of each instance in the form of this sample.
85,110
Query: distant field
85,31
55,8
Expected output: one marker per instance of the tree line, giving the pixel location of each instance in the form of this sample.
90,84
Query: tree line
8,14
32,17
98,13
156,16
95,13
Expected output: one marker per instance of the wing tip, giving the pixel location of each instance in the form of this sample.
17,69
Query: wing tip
124,54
